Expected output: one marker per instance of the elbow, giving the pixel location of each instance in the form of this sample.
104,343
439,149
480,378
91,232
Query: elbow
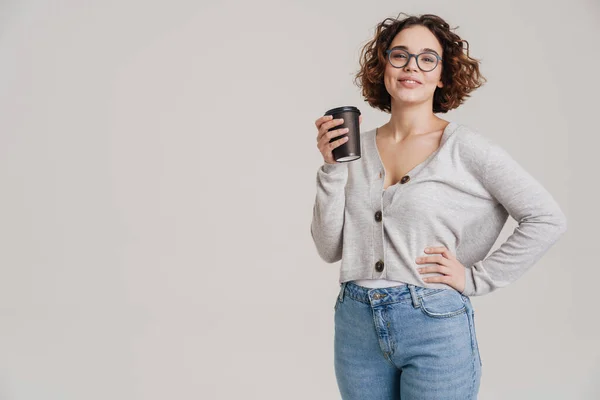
562,223
558,221
329,256
328,251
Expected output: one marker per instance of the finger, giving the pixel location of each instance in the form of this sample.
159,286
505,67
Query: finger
322,119
437,259
337,143
442,269
325,139
333,133
441,279
327,135
360,119
328,125
440,250
326,122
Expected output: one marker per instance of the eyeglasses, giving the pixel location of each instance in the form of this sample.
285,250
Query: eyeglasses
426,61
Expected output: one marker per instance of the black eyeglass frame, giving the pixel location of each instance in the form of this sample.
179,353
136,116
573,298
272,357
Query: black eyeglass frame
416,56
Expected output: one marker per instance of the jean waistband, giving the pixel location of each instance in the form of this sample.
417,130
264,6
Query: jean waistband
403,293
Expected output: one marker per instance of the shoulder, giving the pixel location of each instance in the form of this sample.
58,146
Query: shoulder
482,154
367,139
476,146
478,152
367,134
470,138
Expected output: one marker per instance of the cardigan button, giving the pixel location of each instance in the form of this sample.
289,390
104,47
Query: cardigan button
378,216
379,266
405,179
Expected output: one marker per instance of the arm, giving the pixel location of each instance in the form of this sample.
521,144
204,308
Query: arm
328,211
541,223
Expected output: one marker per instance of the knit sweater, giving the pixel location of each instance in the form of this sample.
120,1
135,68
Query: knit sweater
459,197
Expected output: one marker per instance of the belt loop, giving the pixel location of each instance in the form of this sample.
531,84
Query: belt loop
341,295
415,297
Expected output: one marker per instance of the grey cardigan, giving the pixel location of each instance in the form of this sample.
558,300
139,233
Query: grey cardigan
459,197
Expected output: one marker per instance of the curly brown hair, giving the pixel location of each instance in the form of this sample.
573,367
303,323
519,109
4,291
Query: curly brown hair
460,72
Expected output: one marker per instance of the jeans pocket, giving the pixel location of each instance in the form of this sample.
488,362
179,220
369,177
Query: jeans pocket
442,303
337,299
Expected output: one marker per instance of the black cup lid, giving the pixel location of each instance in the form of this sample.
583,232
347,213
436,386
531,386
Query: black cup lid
342,109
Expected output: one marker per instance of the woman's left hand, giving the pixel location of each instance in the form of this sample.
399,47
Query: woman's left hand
453,272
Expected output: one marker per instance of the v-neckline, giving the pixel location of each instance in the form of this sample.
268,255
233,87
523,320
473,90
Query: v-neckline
445,135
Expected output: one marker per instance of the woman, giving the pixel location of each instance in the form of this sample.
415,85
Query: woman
413,219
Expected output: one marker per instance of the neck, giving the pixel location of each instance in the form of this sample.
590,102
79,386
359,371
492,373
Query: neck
410,120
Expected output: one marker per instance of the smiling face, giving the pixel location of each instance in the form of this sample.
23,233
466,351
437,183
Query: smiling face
417,39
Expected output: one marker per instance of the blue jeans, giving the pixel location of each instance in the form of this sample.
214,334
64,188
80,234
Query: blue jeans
405,342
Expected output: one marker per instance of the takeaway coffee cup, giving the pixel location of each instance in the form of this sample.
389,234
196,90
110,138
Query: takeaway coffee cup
350,150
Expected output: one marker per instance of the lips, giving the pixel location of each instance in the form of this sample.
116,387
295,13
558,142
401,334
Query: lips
410,79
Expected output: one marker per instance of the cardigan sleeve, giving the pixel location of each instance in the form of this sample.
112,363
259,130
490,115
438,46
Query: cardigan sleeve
328,211
541,222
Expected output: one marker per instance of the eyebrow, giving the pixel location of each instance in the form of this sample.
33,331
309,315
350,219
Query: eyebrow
406,48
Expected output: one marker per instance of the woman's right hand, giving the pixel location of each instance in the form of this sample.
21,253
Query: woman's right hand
323,125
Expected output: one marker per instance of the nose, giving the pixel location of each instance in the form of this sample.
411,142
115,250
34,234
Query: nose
412,63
